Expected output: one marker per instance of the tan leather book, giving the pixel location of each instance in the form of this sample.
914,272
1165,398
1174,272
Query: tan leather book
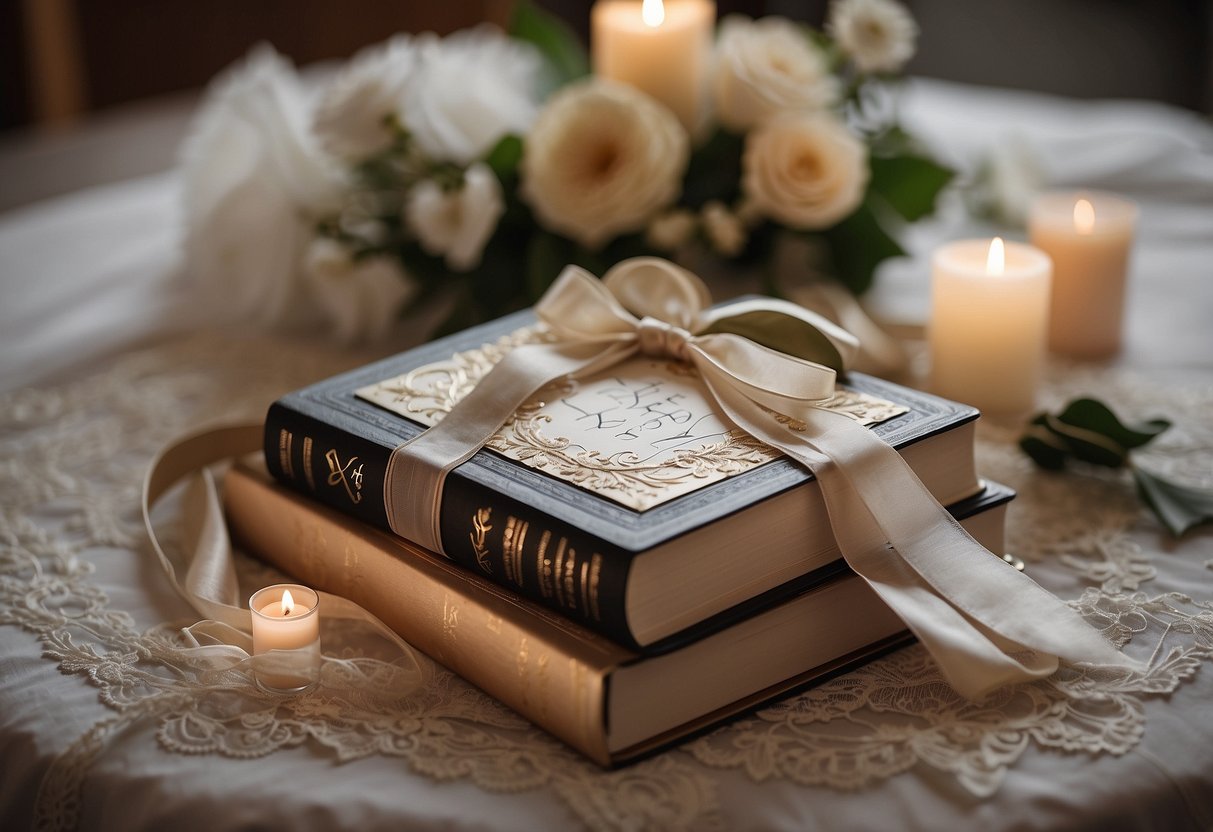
609,702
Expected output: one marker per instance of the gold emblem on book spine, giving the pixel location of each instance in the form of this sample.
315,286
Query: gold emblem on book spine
480,531
307,463
347,476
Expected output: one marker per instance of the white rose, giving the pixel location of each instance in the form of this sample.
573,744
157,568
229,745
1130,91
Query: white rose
805,171
254,183
767,66
878,35
456,224
351,117
361,298
473,88
602,159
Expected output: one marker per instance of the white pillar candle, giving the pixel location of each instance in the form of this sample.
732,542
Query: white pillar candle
286,637
989,312
664,50
1088,235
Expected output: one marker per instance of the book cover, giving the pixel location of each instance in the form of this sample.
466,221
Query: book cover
611,703
592,474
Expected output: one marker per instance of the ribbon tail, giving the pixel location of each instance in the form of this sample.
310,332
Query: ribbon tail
984,624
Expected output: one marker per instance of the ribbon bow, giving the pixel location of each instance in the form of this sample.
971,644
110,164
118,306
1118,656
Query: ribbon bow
984,624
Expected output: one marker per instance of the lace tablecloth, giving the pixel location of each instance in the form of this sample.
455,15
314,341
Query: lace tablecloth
103,726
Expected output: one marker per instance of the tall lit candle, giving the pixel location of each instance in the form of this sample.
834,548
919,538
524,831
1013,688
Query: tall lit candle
1089,236
989,312
286,637
664,49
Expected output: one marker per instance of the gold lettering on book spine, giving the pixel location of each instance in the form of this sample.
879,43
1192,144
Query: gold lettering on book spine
307,463
595,577
543,565
285,462
556,567
512,541
569,579
585,586
480,530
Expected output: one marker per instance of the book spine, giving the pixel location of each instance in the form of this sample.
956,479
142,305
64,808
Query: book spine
503,539
510,649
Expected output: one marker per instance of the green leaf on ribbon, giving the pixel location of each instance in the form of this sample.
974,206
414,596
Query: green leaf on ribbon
909,183
558,44
782,333
1088,431
1178,506
858,245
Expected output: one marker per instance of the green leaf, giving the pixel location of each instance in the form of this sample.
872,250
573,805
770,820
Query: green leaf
1094,415
1044,447
782,333
1178,506
910,184
505,157
558,44
858,245
714,171
546,256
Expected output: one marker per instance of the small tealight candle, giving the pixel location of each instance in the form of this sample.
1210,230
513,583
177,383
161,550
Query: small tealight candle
989,311
661,48
1088,235
286,638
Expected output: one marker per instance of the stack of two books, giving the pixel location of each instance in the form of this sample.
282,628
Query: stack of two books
622,568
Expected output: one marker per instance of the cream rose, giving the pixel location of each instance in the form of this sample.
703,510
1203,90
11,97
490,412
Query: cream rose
767,66
878,35
805,171
456,224
602,159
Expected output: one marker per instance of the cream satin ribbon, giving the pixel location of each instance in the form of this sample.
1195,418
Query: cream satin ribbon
984,624
210,585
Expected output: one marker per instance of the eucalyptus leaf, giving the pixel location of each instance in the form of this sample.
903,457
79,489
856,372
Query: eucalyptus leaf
910,184
558,44
1178,506
782,333
858,245
1094,415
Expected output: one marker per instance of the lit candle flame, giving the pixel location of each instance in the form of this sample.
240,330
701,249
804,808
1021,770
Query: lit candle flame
288,603
653,13
1084,216
996,262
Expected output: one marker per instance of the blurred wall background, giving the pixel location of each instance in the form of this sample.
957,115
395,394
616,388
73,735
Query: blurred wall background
60,59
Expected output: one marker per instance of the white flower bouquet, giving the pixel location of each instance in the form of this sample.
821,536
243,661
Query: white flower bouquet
479,164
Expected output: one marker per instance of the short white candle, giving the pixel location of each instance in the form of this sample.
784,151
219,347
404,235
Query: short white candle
663,49
989,311
286,636
1089,236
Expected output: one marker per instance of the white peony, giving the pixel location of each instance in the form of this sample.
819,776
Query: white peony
362,297
456,224
254,181
602,159
351,118
473,88
878,35
805,171
767,66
